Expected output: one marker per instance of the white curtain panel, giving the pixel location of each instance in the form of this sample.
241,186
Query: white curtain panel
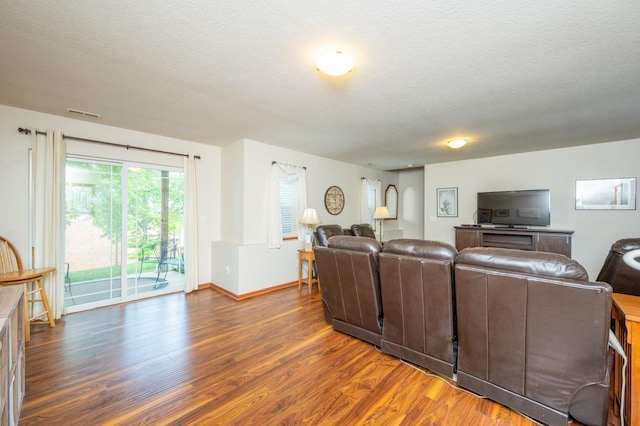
364,207
302,203
288,173
48,206
191,221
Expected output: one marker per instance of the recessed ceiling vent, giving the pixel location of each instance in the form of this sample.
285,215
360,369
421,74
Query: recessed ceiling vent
85,113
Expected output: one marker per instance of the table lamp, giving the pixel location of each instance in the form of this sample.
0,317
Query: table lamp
309,218
380,214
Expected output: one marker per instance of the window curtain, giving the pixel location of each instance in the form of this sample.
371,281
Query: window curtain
367,184
48,211
287,173
191,224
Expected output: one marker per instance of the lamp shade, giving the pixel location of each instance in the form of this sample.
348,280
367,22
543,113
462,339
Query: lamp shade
381,213
310,217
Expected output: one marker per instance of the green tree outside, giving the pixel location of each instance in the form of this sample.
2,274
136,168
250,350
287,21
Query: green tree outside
154,210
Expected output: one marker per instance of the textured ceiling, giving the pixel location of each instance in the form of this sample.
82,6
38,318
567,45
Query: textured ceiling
510,76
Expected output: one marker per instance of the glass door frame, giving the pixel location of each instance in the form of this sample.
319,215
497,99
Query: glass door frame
125,165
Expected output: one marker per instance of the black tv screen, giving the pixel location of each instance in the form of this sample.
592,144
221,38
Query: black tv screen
515,208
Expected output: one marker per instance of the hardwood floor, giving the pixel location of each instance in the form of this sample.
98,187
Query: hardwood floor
205,359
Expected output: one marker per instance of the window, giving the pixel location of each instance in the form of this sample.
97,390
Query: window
287,200
371,206
289,208
370,199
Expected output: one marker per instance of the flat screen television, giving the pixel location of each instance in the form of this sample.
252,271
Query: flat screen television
530,207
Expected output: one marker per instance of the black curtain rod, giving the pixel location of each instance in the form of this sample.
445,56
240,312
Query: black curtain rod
274,162
28,132
368,178
74,138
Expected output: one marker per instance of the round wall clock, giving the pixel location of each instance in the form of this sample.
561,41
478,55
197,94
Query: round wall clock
334,200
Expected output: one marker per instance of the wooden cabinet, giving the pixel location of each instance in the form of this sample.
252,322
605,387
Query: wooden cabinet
12,333
4,373
548,240
625,311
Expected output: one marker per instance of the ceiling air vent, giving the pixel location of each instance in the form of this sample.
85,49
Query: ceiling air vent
85,113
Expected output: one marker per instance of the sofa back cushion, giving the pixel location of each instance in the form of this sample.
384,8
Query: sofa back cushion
416,280
526,262
363,230
324,232
348,272
421,249
531,324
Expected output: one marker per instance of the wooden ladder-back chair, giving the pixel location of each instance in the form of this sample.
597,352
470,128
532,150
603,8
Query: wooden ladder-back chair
12,273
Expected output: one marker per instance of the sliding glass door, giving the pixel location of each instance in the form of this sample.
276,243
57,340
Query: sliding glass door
124,232
155,229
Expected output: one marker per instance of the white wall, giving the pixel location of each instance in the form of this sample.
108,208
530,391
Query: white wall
243,262
14,170
232,193
558,170
411,202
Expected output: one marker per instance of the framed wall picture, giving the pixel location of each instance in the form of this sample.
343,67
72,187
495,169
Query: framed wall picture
606,194
447,202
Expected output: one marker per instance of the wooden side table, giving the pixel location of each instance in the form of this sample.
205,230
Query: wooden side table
625,311
309,256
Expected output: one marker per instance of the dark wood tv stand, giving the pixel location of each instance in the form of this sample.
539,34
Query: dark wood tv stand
540,239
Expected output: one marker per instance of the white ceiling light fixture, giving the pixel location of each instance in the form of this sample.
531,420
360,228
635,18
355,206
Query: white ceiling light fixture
457,143
334,62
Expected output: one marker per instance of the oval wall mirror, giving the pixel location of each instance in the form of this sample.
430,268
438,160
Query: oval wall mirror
391,201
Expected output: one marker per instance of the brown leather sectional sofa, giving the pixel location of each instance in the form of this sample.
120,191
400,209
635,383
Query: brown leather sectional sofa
526,329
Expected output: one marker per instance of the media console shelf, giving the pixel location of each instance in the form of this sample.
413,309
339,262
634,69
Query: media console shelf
549,240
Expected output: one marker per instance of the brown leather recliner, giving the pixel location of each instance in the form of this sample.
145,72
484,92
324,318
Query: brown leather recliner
324,232
348,271
363,230
416,280
533,334
622,277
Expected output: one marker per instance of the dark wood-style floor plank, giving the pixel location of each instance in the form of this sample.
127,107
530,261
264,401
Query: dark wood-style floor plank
205,359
